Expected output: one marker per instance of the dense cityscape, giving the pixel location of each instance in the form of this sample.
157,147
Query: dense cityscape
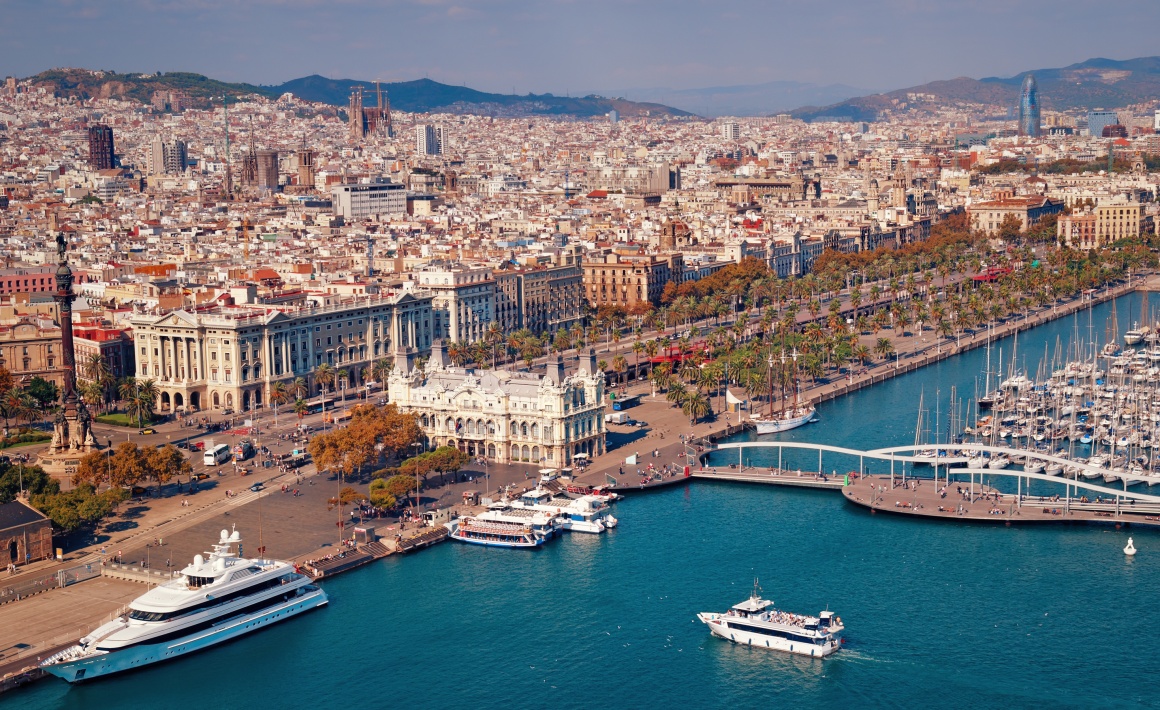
344,333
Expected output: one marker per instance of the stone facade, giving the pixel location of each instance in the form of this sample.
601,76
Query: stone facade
229,357
25,534
507,417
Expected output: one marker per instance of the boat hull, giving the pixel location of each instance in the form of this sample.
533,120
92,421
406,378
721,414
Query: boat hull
536,542
100,664
718,627
774,426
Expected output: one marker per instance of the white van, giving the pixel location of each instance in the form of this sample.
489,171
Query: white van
217,455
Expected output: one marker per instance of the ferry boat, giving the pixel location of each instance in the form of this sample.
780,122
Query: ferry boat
217,598
588,513
755,622
791,419
504,528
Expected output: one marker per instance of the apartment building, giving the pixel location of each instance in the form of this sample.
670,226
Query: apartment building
628,280
541,298
30,350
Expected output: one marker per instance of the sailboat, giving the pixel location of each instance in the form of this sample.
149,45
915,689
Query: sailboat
786,419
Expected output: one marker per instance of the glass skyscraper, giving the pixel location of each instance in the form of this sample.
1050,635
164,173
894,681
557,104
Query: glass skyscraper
1029,124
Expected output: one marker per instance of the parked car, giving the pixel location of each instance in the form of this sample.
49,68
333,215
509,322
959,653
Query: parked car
227,411
148,430
199,477
641,425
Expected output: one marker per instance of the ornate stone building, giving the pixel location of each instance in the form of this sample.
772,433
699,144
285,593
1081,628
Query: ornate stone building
507,417
228,357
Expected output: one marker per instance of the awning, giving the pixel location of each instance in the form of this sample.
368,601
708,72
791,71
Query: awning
580,456
731,398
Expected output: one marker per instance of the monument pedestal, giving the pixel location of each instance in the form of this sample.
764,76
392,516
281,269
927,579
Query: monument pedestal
72,439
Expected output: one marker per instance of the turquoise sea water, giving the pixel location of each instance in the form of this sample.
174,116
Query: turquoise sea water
937,614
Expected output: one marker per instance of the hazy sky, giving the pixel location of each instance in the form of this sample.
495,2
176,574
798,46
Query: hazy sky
575,46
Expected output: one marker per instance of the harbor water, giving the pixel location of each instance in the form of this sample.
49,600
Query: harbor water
937,613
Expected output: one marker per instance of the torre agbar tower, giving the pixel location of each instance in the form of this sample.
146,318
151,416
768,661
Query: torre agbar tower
1029,124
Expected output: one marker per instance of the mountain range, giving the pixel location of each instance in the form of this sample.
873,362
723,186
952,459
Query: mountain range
746,99
421,95
1095,83
1106,83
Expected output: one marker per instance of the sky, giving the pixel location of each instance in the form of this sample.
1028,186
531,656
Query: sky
575,46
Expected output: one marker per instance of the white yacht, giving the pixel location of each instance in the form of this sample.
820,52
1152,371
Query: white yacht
588,513
217,598
755,622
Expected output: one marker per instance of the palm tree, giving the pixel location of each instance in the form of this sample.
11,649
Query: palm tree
619,365
97,370
12,403
141,398
300,408
695,406
677,392
299,389
343,377
325,376
92,393
884,347
279,394
862,353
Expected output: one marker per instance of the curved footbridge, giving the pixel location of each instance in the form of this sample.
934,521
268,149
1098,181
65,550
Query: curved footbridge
950,491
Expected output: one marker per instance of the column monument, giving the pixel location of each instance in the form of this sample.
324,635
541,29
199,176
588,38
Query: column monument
72,435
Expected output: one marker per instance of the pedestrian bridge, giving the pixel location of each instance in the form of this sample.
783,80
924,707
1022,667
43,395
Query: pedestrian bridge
896,456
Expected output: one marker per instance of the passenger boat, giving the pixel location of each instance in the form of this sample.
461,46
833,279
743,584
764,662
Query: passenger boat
217,598
505,528
588,513
755,622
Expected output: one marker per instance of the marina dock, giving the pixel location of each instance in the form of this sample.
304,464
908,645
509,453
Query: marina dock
959,500
772,477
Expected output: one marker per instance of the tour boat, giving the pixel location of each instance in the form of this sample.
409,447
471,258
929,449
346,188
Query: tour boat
505,528
588,513
217,598
755,622
790,419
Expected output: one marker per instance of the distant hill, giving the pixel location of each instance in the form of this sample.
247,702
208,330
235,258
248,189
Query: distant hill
422,95
87,84
763,99
425,95
1096,83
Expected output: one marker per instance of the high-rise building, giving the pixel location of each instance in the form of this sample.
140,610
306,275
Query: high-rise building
430,139
267,169
167,158
1156,121
1029,119
100,147
1098,120
614,116
10,86
730,130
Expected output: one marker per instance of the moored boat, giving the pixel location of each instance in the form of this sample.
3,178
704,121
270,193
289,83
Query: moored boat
217,598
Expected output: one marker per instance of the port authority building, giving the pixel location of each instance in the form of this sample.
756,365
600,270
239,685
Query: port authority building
546,420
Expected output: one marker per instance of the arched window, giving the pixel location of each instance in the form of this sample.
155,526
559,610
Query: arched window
491,428
515,429
535,454
524,430
470,426
450,424
535,430
515,452
491,451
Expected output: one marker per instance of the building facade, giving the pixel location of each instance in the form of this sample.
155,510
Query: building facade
370,200
29,350
25,534
626,281
430,139
508,417
542,299
229,357
1029,118
462,301
101,152
26,281
988,216
114,344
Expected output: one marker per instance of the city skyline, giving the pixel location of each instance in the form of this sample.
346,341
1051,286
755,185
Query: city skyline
560,48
